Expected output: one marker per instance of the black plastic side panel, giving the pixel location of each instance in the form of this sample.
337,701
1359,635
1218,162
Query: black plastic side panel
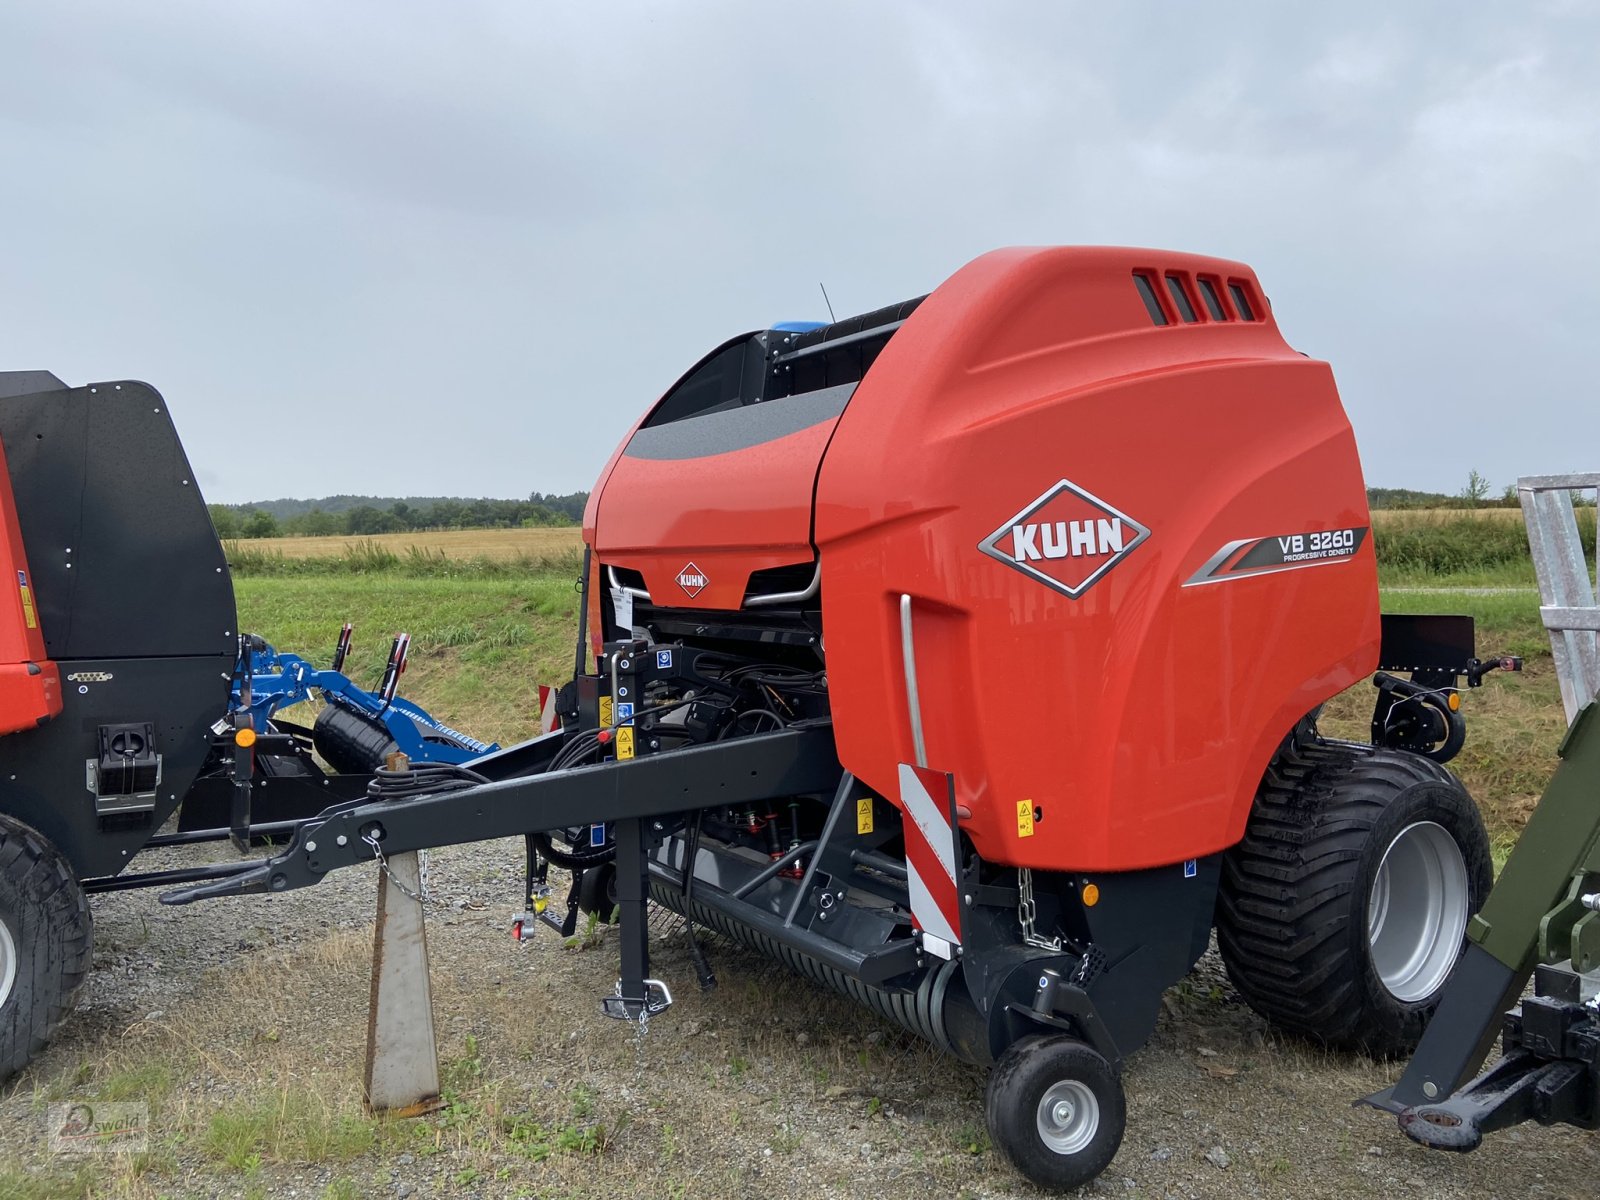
22,383
124,558
43,776
1426,642
134,598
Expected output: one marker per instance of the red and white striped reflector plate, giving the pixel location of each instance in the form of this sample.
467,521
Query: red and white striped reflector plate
548,721
926,799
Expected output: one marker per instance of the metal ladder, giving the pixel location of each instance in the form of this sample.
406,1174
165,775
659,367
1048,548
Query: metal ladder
1566,589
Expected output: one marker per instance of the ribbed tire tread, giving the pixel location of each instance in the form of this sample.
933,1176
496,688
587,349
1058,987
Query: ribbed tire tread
1291,914
48,916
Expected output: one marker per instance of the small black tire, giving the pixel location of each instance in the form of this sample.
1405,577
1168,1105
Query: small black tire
1343,910
597,892
353,742
46,942
1055,1109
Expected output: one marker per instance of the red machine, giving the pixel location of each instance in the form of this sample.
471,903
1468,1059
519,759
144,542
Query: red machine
1079,479
966,656
30,684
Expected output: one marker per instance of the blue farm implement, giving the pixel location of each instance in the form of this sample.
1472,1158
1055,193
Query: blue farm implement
356,729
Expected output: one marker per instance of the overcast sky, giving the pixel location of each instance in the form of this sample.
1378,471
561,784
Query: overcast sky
455,249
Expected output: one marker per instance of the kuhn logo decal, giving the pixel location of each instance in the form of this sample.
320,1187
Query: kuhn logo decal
692,580
1066,539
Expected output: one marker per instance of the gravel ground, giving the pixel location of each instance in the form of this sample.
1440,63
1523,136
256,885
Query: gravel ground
766,1087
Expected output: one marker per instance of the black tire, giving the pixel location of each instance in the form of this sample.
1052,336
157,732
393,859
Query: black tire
351,742
356,743
1298,893
45,943
597,892
1055,1109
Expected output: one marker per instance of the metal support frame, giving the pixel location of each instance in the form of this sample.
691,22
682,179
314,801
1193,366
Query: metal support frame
799,760
1566,589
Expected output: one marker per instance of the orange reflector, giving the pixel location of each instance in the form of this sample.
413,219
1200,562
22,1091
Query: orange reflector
245,737
1091,895
1455,701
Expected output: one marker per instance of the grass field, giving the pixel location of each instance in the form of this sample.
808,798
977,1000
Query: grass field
456,543
478,647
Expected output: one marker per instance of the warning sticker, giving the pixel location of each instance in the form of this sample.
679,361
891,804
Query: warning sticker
1024,818
864,815
605,712
625,742
622,607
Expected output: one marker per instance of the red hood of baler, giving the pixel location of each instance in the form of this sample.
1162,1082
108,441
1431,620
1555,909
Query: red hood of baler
697,505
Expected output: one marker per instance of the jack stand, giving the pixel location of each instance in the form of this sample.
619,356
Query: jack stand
402,1072
637,996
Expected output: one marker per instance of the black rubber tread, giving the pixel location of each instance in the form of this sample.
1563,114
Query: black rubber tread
351,742
597,893
48,916
1010,1106
1291,912
356,743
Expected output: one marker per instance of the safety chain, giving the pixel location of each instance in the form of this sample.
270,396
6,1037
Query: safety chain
420,896
1027,914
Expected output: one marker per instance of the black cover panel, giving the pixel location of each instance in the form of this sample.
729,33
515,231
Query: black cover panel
45,780
1426,642
124,558
22,383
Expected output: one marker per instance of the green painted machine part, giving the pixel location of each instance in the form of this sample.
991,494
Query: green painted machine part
1542,919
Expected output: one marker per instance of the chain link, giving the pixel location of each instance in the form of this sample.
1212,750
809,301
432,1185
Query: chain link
1027,914
421,896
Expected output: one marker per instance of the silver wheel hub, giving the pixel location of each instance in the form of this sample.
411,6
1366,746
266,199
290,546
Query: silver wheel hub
8,962
1417,911
1068,1117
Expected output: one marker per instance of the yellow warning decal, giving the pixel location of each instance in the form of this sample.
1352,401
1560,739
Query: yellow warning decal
864,815
605,711
28,614
1024,818
625,742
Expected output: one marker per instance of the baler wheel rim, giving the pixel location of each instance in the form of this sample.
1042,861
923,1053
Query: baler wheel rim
1068,1117
1417,911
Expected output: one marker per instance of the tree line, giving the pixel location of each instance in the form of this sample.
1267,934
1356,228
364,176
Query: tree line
399,516
1478,493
